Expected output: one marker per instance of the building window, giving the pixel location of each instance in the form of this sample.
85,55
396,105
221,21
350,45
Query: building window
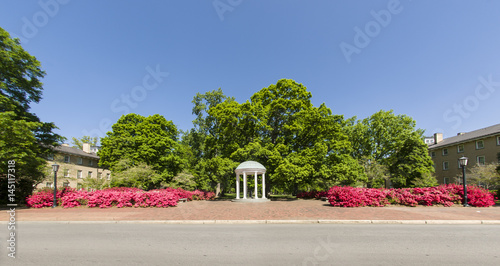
79,174
50,157
79,160
66,172
66,184
460,148
479,144
445,152
91,162
433,154
480,160
99,175
67,158
89,175
446,165
79,186
48,184
446,180
498,140
108,176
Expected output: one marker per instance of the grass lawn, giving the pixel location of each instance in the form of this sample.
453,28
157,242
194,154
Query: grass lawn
283,197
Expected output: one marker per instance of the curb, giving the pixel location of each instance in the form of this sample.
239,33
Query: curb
410,222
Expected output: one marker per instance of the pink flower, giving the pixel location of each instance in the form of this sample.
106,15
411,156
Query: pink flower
119,197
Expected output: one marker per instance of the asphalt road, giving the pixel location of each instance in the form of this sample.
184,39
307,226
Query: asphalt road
40,243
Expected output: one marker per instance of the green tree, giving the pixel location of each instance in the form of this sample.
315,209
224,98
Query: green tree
148,140
299,144
218,171
392,141
78,143
411,165
183,180
23,136
19,153
204,141
95,183
138,175
20,85
377,174
381,135
484,175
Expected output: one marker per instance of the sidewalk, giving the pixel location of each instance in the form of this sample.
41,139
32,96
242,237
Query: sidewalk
297,211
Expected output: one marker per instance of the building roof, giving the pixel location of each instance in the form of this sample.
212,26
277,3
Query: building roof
469,136
75,151
250,166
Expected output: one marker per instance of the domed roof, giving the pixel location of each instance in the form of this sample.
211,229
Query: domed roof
250,166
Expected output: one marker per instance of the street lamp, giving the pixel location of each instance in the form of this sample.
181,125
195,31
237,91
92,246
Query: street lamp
463,163
55,167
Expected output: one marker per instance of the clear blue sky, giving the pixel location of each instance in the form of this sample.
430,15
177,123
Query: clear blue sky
436,61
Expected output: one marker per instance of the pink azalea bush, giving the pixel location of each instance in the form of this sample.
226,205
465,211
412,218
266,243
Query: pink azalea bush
45,198
445,195
357,197
119,197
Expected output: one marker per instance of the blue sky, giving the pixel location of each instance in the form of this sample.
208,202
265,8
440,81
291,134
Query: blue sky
436,61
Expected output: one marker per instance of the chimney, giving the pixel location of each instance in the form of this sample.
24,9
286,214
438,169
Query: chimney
460,133
86,147
438,137
65,145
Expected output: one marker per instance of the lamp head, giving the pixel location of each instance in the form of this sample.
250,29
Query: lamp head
55,167
463,161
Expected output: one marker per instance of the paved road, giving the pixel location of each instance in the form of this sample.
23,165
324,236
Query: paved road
40,243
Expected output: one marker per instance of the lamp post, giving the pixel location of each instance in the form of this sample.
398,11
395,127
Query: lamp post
463,163
55,167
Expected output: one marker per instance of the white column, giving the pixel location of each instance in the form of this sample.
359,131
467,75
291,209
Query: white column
244,185
255,197
263,185
238,186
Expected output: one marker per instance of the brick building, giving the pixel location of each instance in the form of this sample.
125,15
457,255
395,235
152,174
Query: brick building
480,146
74,166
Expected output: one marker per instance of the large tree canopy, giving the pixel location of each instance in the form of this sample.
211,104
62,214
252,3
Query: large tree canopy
306,143
200,146
20,85
149,140
411,165
392,141
298,143
484,175
19,153
23,137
